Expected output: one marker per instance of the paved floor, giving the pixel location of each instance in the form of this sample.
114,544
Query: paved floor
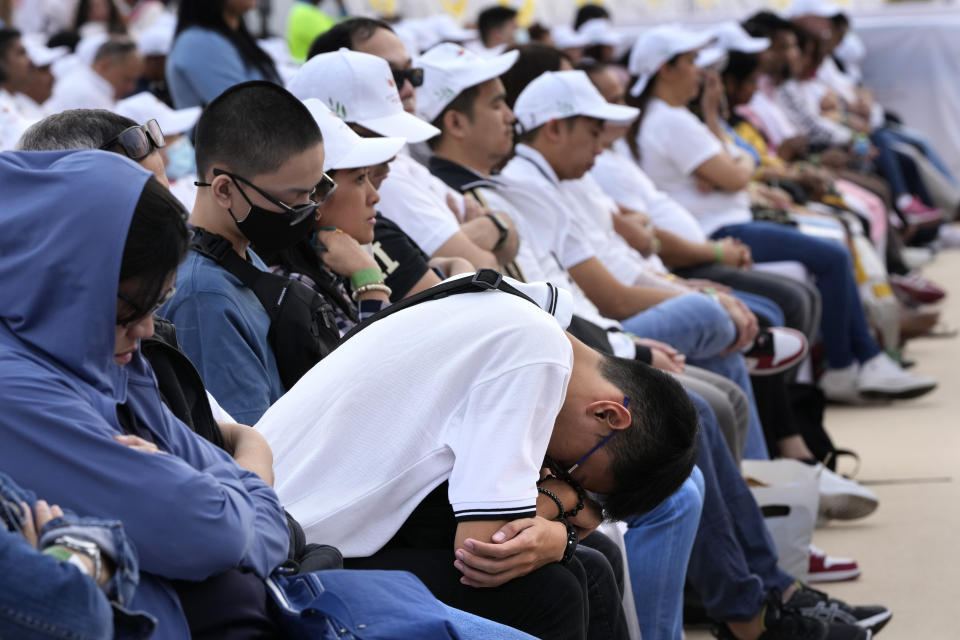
910,453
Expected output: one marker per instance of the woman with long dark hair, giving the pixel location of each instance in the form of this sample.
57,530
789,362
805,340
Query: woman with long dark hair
213,50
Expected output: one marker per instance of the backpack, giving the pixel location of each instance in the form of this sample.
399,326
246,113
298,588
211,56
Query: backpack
302,325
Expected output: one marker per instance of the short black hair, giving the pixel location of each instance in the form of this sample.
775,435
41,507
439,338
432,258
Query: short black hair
534,60
7,38
463,103
74,129
346,35
589,12
764,24
68,39
253,128
524,136
157,241
740,66
115,23
652,458
492,18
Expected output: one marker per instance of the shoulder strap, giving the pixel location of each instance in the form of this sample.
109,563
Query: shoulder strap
219,249
482,280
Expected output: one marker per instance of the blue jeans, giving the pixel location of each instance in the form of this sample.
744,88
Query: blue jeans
658,547
766,310
43,598
917,140
846,337
899,170
733,564
697,326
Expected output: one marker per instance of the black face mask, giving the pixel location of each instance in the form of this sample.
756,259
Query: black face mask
270,231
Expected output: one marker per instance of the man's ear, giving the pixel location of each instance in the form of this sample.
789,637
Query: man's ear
612,414
552,130
222,189
453,123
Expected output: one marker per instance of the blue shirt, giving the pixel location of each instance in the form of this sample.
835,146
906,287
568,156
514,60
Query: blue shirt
201,65
222,327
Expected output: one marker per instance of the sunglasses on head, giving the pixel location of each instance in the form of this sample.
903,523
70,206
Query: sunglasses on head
415,76
139,141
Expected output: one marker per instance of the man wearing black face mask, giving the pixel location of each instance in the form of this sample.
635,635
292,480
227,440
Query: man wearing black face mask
260,163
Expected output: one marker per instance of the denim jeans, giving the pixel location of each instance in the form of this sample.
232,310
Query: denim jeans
899,170
700,328
658,547
846,337
733,564
43,598
916,139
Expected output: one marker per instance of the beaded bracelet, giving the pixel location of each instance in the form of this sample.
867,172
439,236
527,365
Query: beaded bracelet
573,539
370,287
555,498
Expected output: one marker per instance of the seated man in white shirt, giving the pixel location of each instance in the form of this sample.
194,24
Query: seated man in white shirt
112,76
435,216
367,472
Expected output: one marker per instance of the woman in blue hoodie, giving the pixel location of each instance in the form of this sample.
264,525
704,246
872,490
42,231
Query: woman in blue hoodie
90,247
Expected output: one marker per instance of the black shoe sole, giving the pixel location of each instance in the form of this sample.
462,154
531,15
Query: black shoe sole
897,395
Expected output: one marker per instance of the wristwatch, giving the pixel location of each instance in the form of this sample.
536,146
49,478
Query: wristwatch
85,547
502,228
573,539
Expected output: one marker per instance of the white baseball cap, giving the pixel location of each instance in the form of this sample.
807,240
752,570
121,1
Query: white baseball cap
157,39
359,88
449,70
600,31
342,147
564,37
821,8
145,106
730,36
656,46
563,94
43,56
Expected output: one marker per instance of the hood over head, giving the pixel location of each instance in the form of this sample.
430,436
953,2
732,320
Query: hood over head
65,219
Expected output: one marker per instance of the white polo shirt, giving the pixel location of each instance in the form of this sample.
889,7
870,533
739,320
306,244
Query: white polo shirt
622,179
464,389
416,201
82,88
673,143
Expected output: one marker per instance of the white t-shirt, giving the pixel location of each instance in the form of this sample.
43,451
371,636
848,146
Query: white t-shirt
83,88
776,122
416,201
464,389
673,143
623,180
12,123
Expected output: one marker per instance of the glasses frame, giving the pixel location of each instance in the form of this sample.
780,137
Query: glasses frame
149,136
299,212
414,75
139,311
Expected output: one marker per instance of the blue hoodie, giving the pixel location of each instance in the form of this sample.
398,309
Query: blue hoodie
191,514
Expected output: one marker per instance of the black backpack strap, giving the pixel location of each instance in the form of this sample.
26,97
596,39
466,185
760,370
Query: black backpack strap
219,249
482,280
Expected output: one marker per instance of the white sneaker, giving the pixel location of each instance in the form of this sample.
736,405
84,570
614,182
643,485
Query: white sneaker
881,377
840,385
843,499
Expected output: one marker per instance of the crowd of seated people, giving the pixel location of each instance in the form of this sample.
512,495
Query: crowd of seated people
463,341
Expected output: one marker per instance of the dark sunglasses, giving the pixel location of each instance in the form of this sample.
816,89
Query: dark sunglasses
138,142
139,312
323,190
415,76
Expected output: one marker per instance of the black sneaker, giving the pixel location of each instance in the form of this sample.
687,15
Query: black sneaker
784,622
819,605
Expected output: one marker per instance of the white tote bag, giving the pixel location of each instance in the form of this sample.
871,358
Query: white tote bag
788,493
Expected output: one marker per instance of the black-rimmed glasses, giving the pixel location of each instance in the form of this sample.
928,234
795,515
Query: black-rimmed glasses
138,142
415,76
138,311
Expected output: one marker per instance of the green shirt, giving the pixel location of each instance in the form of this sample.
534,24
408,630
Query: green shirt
304,24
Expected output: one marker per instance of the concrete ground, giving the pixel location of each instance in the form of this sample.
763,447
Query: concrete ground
910,453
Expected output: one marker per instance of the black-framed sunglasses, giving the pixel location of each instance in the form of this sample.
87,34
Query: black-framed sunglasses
139,312
139,141
323,190
415,76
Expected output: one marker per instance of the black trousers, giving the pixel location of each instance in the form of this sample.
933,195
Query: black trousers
573,602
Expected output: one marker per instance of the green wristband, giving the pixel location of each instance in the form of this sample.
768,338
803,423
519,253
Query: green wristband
366,276
60,553
717,252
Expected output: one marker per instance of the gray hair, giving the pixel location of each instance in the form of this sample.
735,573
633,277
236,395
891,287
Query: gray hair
74,129
116,49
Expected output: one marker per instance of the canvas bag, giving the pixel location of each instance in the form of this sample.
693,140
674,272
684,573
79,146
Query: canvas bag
788,493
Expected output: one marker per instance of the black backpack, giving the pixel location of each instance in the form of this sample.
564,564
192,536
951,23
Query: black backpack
302,325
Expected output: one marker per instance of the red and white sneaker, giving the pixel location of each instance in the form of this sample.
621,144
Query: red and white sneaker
775,350
917,213
824,568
